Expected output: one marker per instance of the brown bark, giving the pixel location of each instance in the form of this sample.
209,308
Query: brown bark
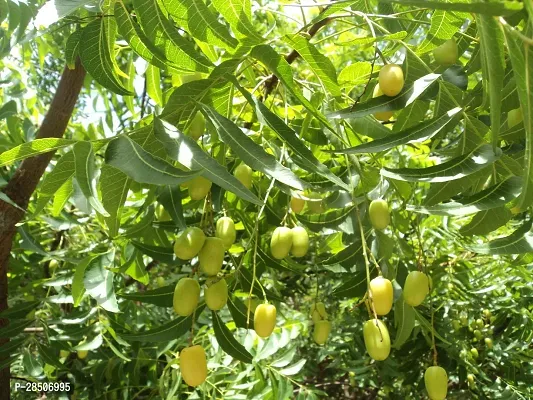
23,183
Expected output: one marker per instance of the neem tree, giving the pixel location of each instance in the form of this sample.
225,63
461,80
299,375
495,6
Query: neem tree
268,200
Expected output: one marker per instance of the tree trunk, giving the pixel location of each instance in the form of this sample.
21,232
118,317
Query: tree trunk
23,183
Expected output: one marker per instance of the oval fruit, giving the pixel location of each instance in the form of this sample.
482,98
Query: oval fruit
488,343
216,293
379,214
264,319
160,281
225,230
382,295
211,256
391,79
474,352
244,174
199,187
297,204
416,288
300,241
281,242
318,312
197,127
321,332
377,339
53,264
436,381
447,53
82,354
478,334
193,365
383,115
514,117
186,296
189,243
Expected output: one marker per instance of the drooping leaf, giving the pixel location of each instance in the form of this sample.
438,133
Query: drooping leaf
98,282
33,148
487,221
491,8
404,321
228,343
239,312
159,253
238,13
52,182
14,328
354,287
8,109
444,25
520,241
161,297
114,186
170,198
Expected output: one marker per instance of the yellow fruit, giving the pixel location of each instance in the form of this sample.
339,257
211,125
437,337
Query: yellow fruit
416,288
53,264
382,295
264,319
384,115
199,187
377,339
186,296
244,174
447,53
318,312
281,242
64,353
514,117
379,214
225,230
189,243
216,293
391,79
82,354
474,352
488,343
436,381
315,207
211,256
297,204
300,241
193,365
197,126
321,332
160,281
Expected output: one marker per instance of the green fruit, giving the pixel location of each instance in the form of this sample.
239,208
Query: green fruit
377,339
244,174
488,343
225,231
189,243
160,281
321,332
487,314
300,241
193,365
391,79
64,353
416,288
515,117
53,265
478,334
216,293
281,242
479,323
317,206
211,256
474,352
186,296
383,115
436,381
470,378
82,354
379,214
197,126
456,325
297,205
447,53
318,312
382,295
463,318
199,187
265,320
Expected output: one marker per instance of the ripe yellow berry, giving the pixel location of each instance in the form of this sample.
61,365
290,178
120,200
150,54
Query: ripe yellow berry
436,381
382,295
244,174
297,205
383,115
211,256
318,312
377,339
186,296
447,53
82,354
197,126
391,79
321,332
193,365
300,241
265,320
189,243
514,117
225,230
199,187
416,288
379,214
281,242
216,293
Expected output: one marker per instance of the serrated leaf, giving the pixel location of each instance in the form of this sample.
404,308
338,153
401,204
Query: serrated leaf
92,344
487,221
490,8
428,327
455,168
143,167
520,241
250,152
33,148
238,13
96,58
187,152
153,84
228,343
114,186
439,192
359,41
404,321
239,313
355,74
444,25
162,297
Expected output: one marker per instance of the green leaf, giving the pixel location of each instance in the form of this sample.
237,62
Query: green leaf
187,152
8,109
353,287
455,168
5,197
420,132
321,65
493,63
96,58
114,186
78,288
385,103
14,328
228,343
439,192
250,152
294,368
170,198
153,84
488,8
404,321
159,253
444,25
492,197
487,221
20,310
52,182
53,11
197,19
162,297
170,331
98,282
424,323
8,348
92,344
239,312
61,197
143,167
239,15
85,174
520,241
355,74
33,148
359,41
